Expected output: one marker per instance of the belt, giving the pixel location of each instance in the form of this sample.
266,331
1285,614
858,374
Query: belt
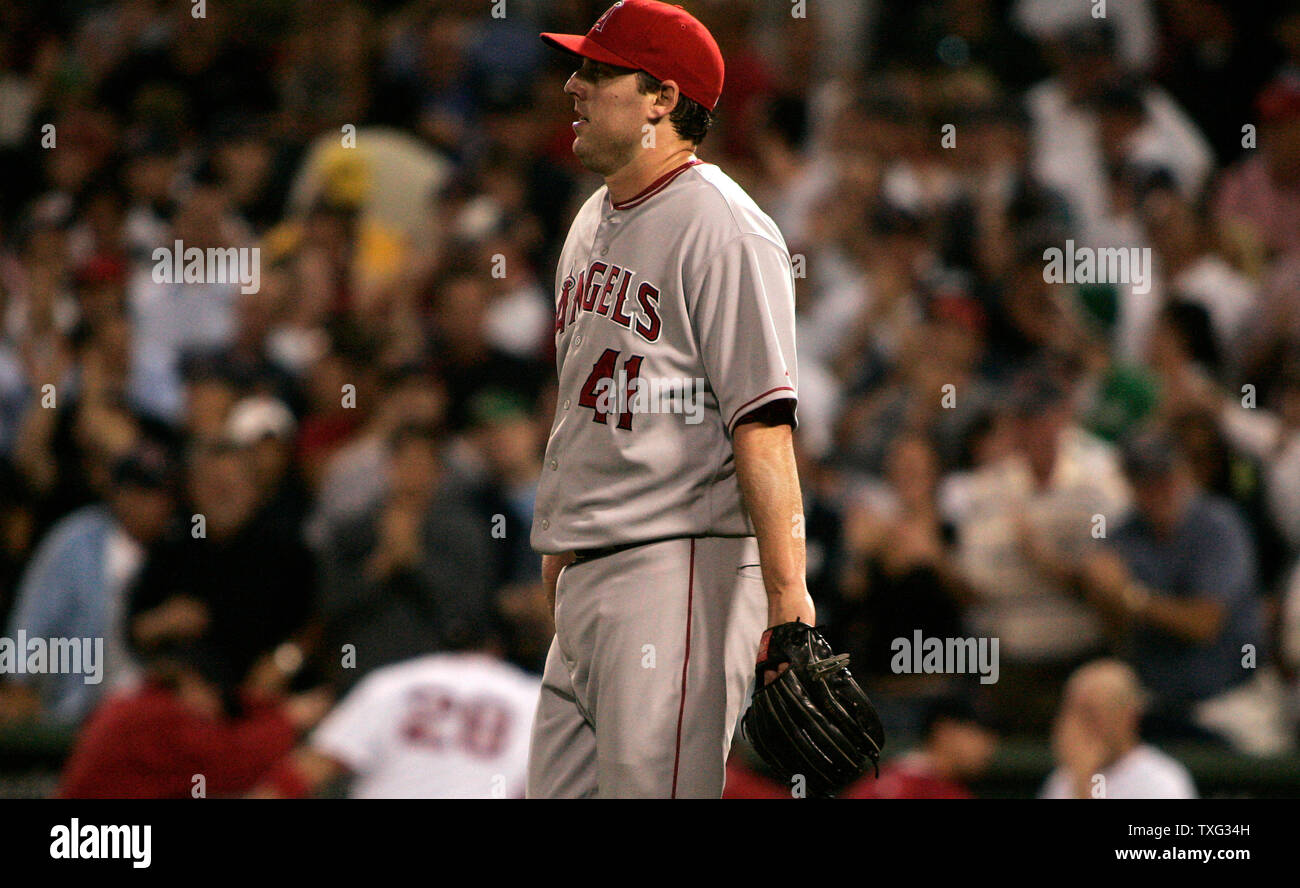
592,554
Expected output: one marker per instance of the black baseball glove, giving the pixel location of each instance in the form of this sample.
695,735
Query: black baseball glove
813,719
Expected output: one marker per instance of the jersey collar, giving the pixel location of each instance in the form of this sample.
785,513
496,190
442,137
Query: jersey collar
656,186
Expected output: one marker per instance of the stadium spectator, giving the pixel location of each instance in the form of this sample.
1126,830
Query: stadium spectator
955,750
1224,468
171,319
397,576
1193,270
448,725
78,586
1070,141
355,477
508,440
1021,522
1099,751
1257,205
264,427
16,537
1179,577
900,576
77,418
179,735
340,389
467,360
228,578
903,401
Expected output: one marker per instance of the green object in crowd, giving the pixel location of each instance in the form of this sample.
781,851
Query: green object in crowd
496,405
1126,396
1100,304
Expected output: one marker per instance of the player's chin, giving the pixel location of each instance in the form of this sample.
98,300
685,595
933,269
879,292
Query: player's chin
588,155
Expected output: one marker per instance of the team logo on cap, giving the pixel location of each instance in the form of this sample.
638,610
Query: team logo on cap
600,23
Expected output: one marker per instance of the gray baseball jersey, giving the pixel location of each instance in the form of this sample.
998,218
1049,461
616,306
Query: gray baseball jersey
674,316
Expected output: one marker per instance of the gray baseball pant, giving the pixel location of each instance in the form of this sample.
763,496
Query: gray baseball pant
649,670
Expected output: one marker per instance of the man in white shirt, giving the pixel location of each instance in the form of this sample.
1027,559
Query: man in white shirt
1021,522
1070,141
441,726
1099,752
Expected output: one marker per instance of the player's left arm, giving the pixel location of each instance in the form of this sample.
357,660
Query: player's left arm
743,314
763,443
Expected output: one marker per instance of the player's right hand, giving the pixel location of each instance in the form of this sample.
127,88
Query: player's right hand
788,608
551,567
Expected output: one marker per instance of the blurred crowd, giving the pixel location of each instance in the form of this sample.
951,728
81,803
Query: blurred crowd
253,495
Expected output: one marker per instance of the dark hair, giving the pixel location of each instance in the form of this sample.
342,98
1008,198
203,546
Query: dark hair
948,709
466,635
1192,323
786,117
1150,452
690,119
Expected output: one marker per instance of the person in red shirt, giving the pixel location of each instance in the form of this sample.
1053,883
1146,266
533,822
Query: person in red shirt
157,740
955,749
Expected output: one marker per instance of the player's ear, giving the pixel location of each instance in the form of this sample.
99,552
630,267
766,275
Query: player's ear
666,99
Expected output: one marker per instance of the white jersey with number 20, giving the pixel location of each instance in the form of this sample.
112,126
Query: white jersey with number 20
442,726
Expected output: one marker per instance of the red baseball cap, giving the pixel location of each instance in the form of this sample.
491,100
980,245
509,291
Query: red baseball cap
666,42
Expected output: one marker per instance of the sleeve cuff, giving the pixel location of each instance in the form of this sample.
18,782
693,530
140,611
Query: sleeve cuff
780,393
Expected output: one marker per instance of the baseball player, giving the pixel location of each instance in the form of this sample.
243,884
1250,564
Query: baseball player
441,726
671,538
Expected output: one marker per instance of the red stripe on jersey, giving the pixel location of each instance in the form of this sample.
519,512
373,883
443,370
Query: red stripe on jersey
736,415
681,711
655,187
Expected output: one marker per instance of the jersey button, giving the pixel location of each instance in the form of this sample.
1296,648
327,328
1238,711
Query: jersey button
577,340
567,403
546,525
554,465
